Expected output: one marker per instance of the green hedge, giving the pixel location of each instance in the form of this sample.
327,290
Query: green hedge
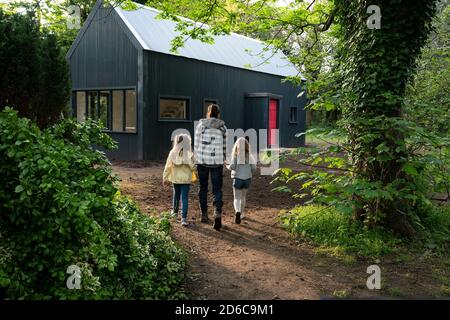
60,206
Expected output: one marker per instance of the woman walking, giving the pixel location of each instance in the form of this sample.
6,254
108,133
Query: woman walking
210,153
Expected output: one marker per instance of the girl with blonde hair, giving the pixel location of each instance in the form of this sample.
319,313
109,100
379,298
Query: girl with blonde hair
180,170
242,166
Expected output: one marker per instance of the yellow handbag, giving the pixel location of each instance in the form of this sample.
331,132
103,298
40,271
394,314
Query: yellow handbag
194,176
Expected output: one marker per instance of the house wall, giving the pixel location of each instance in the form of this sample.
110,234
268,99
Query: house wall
179,76
106,58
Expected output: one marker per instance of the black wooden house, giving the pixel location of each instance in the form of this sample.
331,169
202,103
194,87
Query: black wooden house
124,74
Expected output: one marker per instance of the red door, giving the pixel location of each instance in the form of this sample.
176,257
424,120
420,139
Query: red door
273,114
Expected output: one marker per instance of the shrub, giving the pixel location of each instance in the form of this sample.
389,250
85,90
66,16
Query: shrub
60,206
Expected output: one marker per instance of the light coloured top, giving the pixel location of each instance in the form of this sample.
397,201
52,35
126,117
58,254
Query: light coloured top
244,170
179,170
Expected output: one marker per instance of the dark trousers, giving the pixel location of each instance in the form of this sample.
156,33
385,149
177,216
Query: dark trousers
181,191
217,182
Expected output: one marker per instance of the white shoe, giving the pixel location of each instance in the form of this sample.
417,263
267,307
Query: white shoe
184,222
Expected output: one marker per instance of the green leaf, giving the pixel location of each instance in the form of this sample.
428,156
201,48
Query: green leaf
409,169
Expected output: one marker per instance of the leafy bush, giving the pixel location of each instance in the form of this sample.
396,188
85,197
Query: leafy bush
333,230
60,206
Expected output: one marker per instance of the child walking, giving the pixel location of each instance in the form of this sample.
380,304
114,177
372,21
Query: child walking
180,171
242,167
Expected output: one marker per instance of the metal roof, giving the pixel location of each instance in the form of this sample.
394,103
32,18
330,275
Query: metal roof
232,50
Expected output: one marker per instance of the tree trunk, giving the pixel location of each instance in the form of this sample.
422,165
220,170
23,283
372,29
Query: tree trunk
378,64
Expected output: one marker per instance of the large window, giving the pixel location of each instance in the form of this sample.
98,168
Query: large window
114,109
173,108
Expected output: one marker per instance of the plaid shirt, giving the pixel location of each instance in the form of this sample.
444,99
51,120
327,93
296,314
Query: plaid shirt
210,142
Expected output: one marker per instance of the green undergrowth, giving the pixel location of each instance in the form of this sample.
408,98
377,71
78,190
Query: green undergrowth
338,234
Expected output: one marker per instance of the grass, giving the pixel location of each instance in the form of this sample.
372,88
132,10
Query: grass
316,140
337,234
396,292
341,294
323,138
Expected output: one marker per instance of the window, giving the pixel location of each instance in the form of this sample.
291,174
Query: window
293,115
81,106
130,108
117,110
206,104
103,107
114,109
92,104
173,108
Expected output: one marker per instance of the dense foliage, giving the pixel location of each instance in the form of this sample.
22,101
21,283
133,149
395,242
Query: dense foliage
60,206
34,74
428,97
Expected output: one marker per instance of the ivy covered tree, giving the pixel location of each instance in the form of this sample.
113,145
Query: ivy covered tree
378,65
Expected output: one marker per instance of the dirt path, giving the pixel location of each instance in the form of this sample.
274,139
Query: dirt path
258,259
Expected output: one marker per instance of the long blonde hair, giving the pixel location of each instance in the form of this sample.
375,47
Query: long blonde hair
181,152
242,151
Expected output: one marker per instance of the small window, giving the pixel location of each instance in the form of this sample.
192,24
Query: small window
173,109
293,115
81,106
206,104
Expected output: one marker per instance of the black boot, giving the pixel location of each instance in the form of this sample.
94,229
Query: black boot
218,218
238,217
218,223
205,218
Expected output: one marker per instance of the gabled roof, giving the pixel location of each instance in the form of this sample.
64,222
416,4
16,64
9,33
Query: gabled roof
231,50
